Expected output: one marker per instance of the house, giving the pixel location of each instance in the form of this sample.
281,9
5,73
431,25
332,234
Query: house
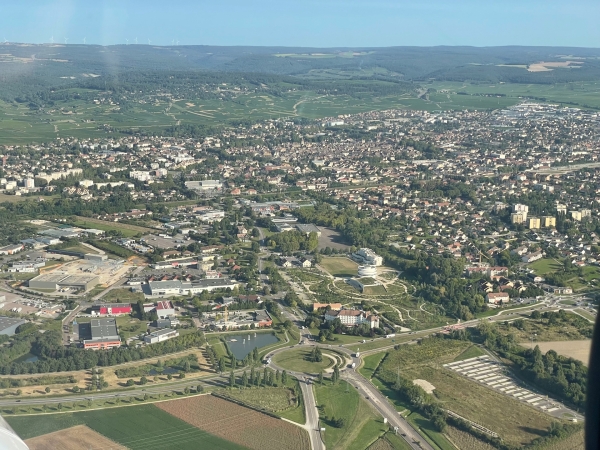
497,297
368,256
306,263
531,257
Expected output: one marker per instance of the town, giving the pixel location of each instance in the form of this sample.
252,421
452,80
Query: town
460,231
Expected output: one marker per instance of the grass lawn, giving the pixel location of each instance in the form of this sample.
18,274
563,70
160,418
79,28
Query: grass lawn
362,425
423,424
471,352
370,364
129,326
122,296
339,267
126,229
545,265
297,360
374,290
274,399
586,314
143,427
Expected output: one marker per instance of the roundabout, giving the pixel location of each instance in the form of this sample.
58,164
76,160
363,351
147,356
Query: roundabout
298,359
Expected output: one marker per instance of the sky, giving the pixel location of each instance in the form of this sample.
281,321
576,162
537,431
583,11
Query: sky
304,23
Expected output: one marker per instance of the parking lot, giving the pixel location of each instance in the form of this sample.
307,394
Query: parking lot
493,375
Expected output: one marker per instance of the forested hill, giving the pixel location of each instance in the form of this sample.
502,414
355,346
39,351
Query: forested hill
47,63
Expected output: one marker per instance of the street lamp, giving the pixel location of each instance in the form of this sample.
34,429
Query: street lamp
532,338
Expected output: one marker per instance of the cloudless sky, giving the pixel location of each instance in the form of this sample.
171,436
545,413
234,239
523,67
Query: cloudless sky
311,23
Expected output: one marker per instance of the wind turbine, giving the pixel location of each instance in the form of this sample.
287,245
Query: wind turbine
84,41
149,41
127,40
66,41
172,41
136,41
52,39
177,43
5,41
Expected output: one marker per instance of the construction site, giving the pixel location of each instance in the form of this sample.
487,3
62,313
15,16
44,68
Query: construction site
80,275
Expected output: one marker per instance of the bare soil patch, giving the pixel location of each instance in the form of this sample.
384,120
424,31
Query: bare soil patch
425,385
74,438
573,349
237,424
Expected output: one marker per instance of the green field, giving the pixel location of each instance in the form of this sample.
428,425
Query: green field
143,427
545,265
471,352
339,267
362,426
515,422
126,229
370,364
122,296
483,95
296,360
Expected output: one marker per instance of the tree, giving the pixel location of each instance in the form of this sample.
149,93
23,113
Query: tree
336,374
60,406
47,390
199,388
244,379
186,390
284,377
321,377
75,389
143,380
19,391
231,379
169,376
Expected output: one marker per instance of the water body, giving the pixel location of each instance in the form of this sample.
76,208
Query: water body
165,371
27,357
242,344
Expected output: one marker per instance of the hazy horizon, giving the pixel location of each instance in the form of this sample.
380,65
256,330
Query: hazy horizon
324,24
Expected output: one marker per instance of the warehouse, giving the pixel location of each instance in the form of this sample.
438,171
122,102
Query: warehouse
8,325
103,334
58,280
95,258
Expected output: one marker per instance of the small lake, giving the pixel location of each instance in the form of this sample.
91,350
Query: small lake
242,344
27,357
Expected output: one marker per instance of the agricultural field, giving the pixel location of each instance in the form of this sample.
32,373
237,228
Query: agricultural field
339,267
389,442
466,441
574,442
361,425
580,93
241,425
74,438
297,360
573,349
136,427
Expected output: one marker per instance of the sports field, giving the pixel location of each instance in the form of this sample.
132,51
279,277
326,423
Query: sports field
339,267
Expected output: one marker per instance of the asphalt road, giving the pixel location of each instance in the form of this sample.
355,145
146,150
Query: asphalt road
312,417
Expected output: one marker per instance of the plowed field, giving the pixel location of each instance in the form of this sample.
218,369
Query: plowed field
73,438
237,424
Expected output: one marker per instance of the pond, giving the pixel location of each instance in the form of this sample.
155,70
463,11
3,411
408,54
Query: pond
242,344
165,371
27,357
